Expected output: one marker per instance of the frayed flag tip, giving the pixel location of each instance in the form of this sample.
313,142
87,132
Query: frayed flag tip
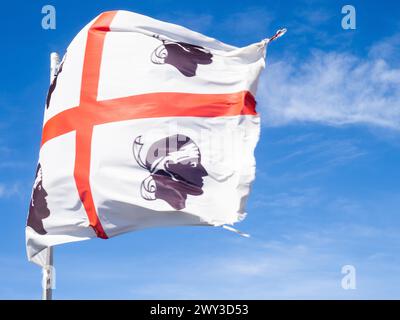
246,235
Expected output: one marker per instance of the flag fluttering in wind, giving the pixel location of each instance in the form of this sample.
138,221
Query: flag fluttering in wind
146,124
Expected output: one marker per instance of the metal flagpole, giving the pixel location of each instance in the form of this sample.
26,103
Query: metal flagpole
47,283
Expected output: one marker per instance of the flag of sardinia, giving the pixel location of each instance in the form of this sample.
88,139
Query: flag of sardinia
147,124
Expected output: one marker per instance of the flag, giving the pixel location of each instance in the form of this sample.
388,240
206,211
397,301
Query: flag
146,124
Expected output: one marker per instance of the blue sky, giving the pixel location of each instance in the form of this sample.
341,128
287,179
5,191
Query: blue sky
327,190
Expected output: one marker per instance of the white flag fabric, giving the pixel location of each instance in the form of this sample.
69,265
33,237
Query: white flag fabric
147,124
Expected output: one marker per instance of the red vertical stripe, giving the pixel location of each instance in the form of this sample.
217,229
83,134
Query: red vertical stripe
90,83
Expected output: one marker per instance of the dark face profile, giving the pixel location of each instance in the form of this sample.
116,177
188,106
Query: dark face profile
38,207
183,56
53,85
175,170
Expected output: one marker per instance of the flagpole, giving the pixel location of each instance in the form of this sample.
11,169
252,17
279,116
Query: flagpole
47,283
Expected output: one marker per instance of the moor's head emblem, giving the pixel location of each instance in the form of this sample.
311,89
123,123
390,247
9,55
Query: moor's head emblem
183,56
38,207
175,170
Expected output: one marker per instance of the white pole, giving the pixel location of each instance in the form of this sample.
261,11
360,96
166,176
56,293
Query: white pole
47,283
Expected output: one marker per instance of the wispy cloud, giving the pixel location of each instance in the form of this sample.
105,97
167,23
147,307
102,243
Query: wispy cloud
328,152
248,25
252,23
12,164
334,88
386,49
290,199
297,157
303,266
9,189
315,17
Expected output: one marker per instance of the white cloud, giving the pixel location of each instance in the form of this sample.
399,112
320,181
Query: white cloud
8,190
303,266
322,150
289,200
235,24
300,157
12,164
333,88
315,17
386,49
251,24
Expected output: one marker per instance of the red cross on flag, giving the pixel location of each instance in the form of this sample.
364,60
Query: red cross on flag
147,124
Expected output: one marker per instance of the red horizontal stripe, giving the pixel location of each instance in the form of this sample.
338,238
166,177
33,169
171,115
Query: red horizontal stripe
152,105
